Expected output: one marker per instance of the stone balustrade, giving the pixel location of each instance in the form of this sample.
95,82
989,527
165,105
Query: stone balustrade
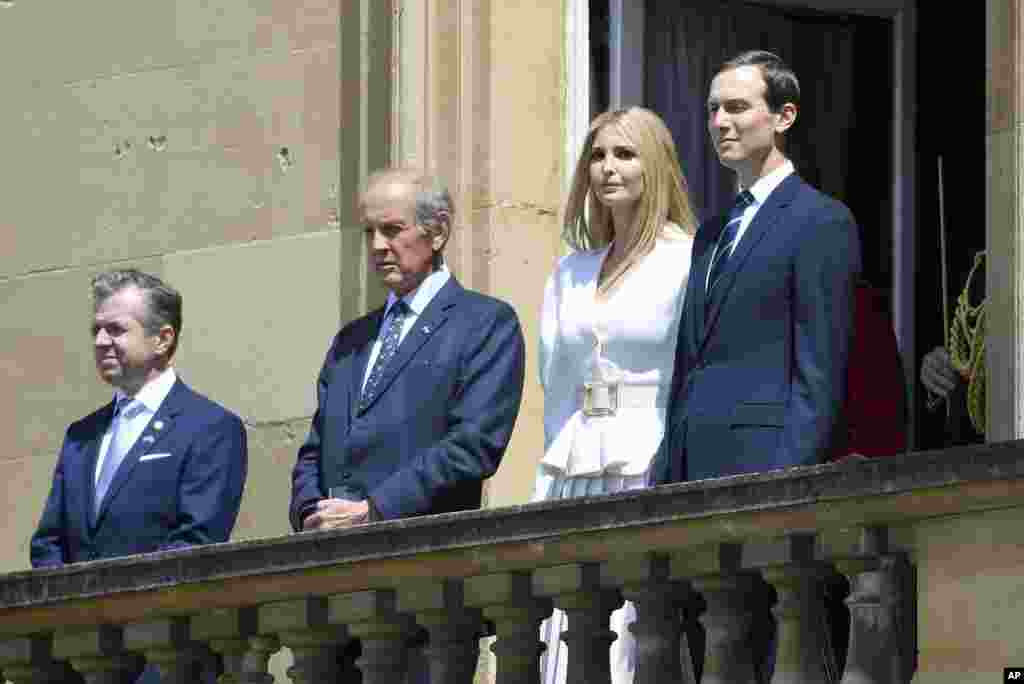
706,565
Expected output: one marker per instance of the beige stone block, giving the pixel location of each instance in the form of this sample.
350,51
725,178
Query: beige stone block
1005,96
272,452
969,593
164,160
47,364
259,319
70,42
26,483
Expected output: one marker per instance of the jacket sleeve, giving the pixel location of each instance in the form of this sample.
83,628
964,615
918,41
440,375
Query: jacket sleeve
306,487
47,548
210,490
481,415
826,269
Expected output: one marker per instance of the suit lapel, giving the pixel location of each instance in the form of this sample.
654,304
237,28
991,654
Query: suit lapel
160,424
764,220
698,280
360,361
426,325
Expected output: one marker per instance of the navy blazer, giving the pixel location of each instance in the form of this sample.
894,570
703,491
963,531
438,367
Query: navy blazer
180,484
760,369
439,423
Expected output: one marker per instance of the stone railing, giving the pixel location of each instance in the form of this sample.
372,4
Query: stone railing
887,525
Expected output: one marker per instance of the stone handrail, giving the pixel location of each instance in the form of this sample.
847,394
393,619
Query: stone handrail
506,568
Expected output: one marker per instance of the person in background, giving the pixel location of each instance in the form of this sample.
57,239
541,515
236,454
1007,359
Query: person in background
608,330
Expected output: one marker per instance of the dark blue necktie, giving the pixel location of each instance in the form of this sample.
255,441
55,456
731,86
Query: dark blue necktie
727,238
388,347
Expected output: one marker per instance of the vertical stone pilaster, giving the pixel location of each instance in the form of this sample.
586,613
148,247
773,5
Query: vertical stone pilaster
228,631
1004,236
508,600
257,658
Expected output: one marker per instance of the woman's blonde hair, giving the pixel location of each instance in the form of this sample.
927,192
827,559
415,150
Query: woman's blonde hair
665,199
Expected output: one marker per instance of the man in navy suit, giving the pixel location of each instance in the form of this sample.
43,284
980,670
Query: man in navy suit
761,359
160,467
416,401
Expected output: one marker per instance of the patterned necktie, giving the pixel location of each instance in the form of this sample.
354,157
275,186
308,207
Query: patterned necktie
388,347
727,238
117,449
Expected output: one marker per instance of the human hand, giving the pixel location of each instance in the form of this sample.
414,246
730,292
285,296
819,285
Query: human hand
336,513
937,373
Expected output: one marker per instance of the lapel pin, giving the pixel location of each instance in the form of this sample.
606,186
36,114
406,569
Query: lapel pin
426,330
158,425
148,438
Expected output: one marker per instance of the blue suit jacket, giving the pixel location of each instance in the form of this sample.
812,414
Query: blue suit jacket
179,485
760,369
439,423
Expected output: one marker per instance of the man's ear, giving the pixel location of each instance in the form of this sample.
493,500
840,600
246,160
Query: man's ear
165,339
440,238
787,117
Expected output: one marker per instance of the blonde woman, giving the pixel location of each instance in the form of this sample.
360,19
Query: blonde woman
608,330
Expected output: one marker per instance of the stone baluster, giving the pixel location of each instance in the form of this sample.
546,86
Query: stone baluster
29,660
166,646
508,600
715,573
256,661
302,625
879,642
383,632
97,653
791,567
454,629
576,589
228,631
644,580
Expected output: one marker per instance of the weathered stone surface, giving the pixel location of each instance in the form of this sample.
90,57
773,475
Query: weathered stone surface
256,342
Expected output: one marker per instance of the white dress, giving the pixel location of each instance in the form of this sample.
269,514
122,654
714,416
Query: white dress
629,338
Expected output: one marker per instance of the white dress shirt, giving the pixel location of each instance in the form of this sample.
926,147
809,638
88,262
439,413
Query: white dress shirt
417,301
637,325
149,398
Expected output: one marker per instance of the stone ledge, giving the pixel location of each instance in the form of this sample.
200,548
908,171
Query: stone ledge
891,490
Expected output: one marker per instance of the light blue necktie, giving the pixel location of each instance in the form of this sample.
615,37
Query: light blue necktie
727,238
117,449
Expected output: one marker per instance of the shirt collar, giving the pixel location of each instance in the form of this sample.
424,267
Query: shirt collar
418,299
154,392
764,186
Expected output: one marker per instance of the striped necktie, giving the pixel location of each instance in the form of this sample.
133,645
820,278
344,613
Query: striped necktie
727,239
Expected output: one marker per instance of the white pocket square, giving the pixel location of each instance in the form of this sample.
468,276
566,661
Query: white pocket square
153,457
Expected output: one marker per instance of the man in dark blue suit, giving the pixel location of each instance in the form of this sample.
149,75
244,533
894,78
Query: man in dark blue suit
761,359
416,401
160,467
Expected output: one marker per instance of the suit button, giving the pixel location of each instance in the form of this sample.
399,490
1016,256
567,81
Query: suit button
346,476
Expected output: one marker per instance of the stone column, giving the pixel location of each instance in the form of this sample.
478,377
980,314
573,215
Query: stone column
303,626
576,589
1004,230
166,645
454,629
97,653
507,599
29,660
799,648
228,631
371,617
728,620
645,581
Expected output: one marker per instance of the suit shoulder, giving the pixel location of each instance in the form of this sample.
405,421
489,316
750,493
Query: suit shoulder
354,334
486,305
87,425
817,202
214,411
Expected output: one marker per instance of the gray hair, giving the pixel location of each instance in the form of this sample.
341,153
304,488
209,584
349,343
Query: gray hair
432,203
163,302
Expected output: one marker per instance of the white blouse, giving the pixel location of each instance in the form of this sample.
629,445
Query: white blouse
630,337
